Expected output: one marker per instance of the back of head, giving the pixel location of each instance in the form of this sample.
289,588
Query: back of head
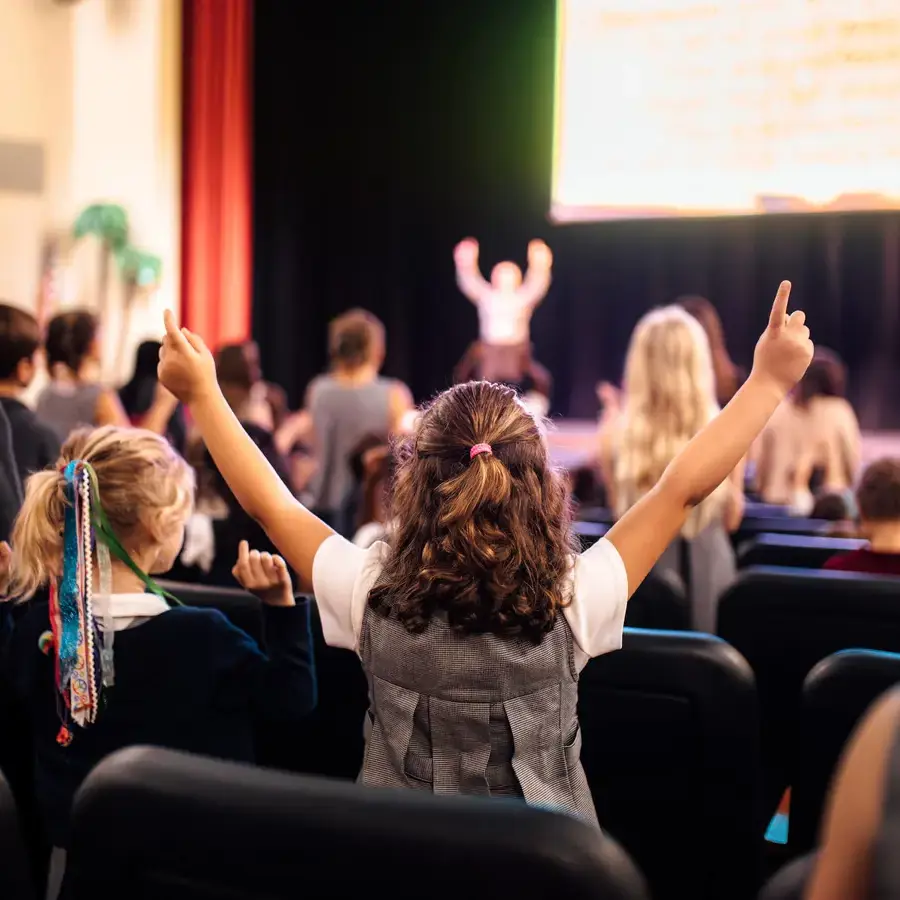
145,486
356,339
831,507
484,539
20,337
878,492
71,338
668,397
138,393
825,377
725,370
234,367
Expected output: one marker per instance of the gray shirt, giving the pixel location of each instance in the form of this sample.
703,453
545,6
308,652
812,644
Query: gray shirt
342,416
65,407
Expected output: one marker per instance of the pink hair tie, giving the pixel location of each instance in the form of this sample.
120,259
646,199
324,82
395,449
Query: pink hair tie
480,448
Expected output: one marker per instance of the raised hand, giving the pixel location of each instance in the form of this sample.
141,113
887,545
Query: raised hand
186,367
539,255
784,351
465,254
263,575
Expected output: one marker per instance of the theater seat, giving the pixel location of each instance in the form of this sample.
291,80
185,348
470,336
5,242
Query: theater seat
798,551
588,533
836,695
154,823
784,621
241,608
670,749
15,875
661,603
754,525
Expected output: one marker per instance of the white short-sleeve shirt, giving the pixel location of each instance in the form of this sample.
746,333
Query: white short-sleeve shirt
343,575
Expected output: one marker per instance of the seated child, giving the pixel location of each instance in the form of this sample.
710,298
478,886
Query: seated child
111,660
35,444
878,499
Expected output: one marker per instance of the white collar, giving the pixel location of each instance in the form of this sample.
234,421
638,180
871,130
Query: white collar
126,610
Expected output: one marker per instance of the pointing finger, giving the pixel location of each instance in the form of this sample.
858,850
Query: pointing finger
779,307
243,553
173,332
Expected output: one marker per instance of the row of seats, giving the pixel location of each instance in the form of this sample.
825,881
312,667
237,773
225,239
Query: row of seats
686,745
671,725
154,823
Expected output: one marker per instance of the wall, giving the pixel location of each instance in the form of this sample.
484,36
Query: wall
97,83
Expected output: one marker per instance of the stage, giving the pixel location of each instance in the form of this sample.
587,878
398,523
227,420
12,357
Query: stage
573,442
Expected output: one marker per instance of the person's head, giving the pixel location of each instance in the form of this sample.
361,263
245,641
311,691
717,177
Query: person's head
825,377
147,493
831,507
724,369
668,396
506,277
878,496
72,341
20,337
483,537
356,340
146,360
237,365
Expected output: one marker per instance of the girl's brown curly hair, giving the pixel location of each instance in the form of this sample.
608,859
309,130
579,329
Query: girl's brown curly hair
485,541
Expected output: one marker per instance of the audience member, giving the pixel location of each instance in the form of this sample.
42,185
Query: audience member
816,431
74,398
728,376
346,405
377,473
480,593
878,499
668,397
35,444
253,400
858,855
140,398
839,510
183,677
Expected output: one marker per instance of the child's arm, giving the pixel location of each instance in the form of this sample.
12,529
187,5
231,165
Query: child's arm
187,369
537,279
468,276
782,356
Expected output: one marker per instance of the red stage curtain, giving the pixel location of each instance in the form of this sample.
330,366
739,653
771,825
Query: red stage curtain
216,187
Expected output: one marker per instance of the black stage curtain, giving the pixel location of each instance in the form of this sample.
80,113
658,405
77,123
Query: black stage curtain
386,132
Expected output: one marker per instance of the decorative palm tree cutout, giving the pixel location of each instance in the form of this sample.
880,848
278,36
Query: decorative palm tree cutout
139,270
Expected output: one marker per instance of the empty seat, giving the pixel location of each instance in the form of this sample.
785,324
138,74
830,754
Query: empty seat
798,551
754,525
784,621
670,749
153,823
661,603
836,695
15,874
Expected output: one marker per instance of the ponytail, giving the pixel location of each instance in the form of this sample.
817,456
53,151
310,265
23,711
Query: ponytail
37,537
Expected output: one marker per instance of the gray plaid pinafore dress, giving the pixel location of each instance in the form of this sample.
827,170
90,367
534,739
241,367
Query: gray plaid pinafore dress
473,714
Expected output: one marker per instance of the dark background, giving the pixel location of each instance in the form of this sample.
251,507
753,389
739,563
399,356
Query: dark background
387,131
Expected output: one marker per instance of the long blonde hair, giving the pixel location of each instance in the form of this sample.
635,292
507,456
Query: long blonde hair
140,478
669,395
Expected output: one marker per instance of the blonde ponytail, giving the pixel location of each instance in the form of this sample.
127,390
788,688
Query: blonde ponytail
37,538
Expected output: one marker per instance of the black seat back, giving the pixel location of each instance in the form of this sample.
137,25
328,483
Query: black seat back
241,608
797,551
660,603
670,748
836,695
784,621
754,525
15,873
154,823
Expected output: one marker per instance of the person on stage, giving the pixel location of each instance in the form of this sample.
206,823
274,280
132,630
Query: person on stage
505,305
